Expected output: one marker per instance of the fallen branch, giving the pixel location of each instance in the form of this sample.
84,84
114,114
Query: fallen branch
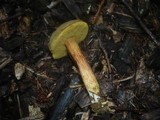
144,27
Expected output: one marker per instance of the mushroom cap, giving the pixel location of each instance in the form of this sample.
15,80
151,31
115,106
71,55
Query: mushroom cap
74,29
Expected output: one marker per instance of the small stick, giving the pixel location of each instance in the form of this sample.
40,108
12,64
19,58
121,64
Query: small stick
37,74
98,12
105,55
6,62
124,79
141,23
111,8
19,106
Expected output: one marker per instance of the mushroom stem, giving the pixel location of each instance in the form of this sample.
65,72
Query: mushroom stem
86,72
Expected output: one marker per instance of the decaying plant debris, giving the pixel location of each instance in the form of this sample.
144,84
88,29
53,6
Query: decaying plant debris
122,48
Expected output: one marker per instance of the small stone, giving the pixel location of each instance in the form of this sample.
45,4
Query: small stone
19,70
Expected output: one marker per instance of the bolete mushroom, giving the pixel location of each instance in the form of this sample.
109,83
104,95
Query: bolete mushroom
65,40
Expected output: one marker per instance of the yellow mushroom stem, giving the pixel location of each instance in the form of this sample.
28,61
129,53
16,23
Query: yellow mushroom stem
86,72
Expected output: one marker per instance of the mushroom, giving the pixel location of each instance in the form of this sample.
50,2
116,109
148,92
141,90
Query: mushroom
65,40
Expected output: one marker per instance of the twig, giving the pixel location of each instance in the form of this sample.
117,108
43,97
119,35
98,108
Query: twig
38,74
124,79
141,23
111,8
6,62
105,55
53,4
98,12
19,106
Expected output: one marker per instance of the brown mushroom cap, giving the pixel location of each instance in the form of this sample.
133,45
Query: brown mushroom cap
74,29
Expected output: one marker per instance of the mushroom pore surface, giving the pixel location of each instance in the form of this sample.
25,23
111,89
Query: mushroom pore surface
75,29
